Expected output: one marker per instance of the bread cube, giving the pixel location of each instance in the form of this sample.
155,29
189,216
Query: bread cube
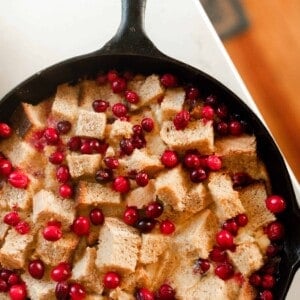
118,294
83,165
247,292
196,135
3,227
172,103
120,129
118,247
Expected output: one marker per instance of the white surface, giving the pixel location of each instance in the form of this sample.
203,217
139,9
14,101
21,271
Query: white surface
36,34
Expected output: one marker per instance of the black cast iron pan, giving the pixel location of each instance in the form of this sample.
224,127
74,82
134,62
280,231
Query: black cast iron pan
130,49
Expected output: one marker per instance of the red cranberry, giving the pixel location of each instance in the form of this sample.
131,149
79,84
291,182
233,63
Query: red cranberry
202,266
52,233
111,162
86,148
81,226
62,174
131,215
12,218
198,175
74,143
121,184
255,280
62,290
131,97
104,175
168,80
225,239
272,250
266,295
63,127
61,272
207,112
119,110
211,100
101,79
51,135
167,227
222,128
214,163
240,179
142,178
231,226
126,146
166,292
224,271
100,105
4,274
181,119
99,146
13,279
137,130
18,179
169,158
97,216
192,93
57,157
191,161
236,128
112,75
3,286
66,191
5,130
18,292
36,269
147,124
154,210
275,204
268,281
22,227
222,111
275,231
144,294
218,255
111,280
241,220
118,85
77,292
138,142
145,225
5,167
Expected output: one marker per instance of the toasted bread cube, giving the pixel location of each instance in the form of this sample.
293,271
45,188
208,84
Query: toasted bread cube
47,206
171,188
153,245
118,294
172,103
39,289
247,292
50,183
120,129
85,272
118,246
90,124
196,135
198,234
247,258
52,253
226,199
155,145
89,193
95,297
139,160
3,227
83,164
262,240
253,199
65,105
15,249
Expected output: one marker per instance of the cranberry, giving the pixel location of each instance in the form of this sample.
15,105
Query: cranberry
240,179
52,233
63,127
191,161
61,272
4,274
97,216
225,239
231,226
166,292
18,179
36,269
211,100
138,142
275,204
275,231
119,110
111,162
255,280
121,184
118,85
218,255
111,280
142,178
266,295
145,225
192,93
22,227
57,157
112,75
5,130
62,174
62,290
236,128
169,158
99,146
104,175
81,226
214,163
77,291
86,148
5,167
137,130
202,266
222,111
272,250
167,227
181,119
207,112
241,220
51,135
168,80
66,191
224,271
154,210
126,146
268,281
100,105
131,215
13,279
147,124
74,143
198,175
12,218
144,294
18,292
3,286
222,128
131,97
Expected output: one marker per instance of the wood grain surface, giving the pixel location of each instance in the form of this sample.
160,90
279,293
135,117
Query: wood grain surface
267,56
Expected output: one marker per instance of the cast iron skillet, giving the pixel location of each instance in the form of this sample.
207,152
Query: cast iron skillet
130,49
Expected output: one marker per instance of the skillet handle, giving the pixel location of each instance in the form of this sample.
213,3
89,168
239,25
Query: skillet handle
131,37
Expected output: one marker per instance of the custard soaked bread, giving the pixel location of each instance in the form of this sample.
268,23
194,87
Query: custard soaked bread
134,187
